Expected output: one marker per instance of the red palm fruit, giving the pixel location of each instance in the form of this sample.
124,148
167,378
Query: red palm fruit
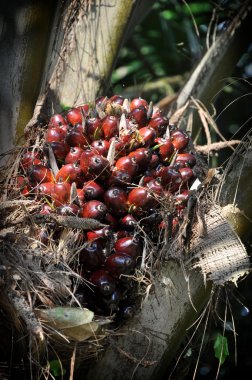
129,245
115,199
118,263
128,222
71,173
61,193
159,123
85,157
94,209
20,182
93,128
123,233
57,120
149,175
112,301
117,99
139,115
101,146
68,209
44,189
156,112
142,157
180,139
103,281
74,116
155,187
188,159
26,191
186,174
55,134
154,162
165,149
73,155
39,174
111,220
127,164
100,233
181,199
46,209
84,108
99,166
140,201
120,150
119,178
81,196
30,158
147,136
92,190
137,102
110,126
75,137
170,178
60,149
102,100
91,256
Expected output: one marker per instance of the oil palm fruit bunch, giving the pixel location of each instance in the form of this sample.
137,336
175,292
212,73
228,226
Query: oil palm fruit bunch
130,169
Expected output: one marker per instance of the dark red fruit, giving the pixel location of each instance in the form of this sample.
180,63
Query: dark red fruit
137,102
119,178
85,159
120,150
101,101
142,157
81,196
165,148
101,146
115,199
117,99
186,174
181,199
75,137
91,256
84,108
154,161
111,220
147,136
44,189
95,166
55,134
155,187
119,263
140,201
130,246
180,139
93,128
148,176
159,123
94,209
128,222
46,209
103,281
57,120
170,178
61,193
92,190
73,155
126,164
187,158
30,158
112,301
39,174
74,116
68,209
139,115
110,126
100,233
71,173
60,149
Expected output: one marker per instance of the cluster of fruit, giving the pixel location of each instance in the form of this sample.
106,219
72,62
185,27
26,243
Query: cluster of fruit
125,162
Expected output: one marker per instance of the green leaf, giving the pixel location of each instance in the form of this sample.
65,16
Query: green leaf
56,368
221,348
